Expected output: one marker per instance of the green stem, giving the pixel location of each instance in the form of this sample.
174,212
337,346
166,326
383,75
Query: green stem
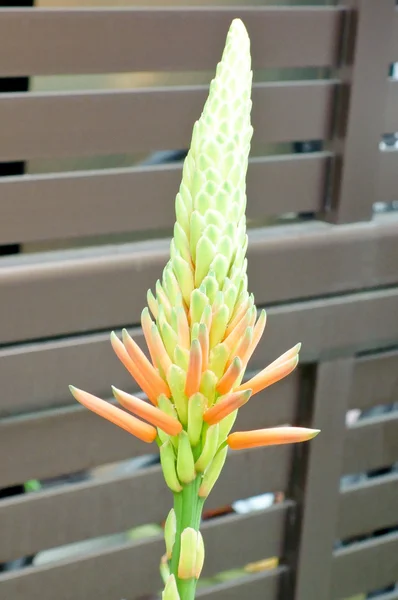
188,508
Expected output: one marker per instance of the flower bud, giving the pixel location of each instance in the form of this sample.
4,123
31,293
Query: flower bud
209,449
187,563
196,408
176,378
185,461
200,555
171,591
213,472
170,529
168,462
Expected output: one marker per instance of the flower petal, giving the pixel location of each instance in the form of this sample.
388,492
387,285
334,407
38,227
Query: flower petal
115,415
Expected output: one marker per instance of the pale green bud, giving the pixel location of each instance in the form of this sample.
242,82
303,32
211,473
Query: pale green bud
219,325
185,461
208,385
213,472
226,425
196,408
209,448
197,224
169,338
198,303
181,242
187,562
171,591
200,555
170,285
184,276
212,286
164,569
220,266
181,357
218,359
176,378
168,462
205,253
182,214
230,295
170,529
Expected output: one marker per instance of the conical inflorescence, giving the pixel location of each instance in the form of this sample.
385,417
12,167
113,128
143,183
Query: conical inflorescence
202,325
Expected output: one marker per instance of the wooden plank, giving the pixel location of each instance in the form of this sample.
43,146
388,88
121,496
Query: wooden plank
320,498
365,566
362,100
371,444
261,586
391,114
375,380
61,293
115,40
131,570
36,376
76,438
388,178
110,506
41,125
49,207
70,361
378,501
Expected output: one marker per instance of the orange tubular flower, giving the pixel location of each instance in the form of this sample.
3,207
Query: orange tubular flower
269,375
225,406
150,413
269,437
143,431
144,383
194,372
148,371
230,376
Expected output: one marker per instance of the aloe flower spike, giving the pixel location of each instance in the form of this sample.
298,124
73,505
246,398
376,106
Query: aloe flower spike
203,330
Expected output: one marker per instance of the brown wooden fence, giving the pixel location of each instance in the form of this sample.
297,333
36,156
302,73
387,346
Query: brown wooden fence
329,280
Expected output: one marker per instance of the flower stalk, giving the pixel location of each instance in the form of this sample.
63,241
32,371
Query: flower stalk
202,326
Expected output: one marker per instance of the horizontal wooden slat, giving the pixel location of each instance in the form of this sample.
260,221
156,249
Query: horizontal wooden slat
99,504
104,41
365,567
368,506
371,444
72,363
76,438
375,381
41,125
49,207
58,294
79,511
130,570
391,116
388,178
37,375
261,586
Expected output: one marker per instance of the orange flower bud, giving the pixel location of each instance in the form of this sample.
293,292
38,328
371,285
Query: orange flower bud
150,413
115,415
269,437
